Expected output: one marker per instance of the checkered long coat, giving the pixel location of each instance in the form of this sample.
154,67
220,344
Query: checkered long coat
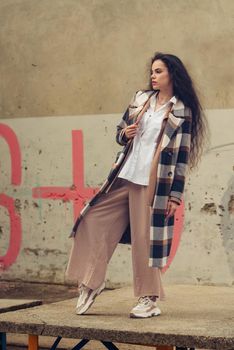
169,170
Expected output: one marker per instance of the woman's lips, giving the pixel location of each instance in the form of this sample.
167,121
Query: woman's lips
154,82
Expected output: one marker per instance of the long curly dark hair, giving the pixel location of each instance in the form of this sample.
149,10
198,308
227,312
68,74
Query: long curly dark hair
183,89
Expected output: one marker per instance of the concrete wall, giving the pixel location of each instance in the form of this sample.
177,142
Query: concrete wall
88,56
68,70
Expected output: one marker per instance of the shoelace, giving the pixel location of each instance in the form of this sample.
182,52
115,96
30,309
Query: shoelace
145,300
81,289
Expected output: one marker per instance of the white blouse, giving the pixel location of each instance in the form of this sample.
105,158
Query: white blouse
137,166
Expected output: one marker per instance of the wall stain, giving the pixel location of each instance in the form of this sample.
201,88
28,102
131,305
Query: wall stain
18,205
43,252
227,223
221,207
209,208
26,204
231,205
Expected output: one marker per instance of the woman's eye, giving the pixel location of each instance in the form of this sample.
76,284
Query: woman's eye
157,72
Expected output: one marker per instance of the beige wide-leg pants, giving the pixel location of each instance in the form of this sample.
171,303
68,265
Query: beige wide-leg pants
100,231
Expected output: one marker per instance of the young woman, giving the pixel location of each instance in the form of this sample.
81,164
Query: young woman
162,132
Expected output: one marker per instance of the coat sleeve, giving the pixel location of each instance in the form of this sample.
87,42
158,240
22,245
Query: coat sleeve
177,187
121,139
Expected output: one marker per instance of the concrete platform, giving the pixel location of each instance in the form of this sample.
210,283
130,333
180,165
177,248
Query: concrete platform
192,316
7,305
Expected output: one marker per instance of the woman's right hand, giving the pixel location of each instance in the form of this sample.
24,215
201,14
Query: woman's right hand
131,130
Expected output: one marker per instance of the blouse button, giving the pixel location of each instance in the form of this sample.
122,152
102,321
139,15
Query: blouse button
170,173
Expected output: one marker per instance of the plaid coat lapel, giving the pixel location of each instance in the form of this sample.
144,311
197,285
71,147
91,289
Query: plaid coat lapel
176,117
173,123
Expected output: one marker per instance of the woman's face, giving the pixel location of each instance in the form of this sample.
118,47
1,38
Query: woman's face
160,77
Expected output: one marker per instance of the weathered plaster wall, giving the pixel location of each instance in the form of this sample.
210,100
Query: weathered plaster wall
54,183
88,56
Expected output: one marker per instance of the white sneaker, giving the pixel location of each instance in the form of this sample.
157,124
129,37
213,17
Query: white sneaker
146,307
87,297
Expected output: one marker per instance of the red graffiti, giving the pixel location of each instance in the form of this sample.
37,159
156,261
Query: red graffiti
15,232
15,221
10,137
77,193
178,228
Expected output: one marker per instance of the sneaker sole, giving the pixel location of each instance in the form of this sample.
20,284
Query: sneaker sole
90,300
156,312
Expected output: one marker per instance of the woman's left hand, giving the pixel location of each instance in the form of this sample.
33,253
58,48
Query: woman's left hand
171,208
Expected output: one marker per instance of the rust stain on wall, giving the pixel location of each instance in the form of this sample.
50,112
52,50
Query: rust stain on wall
209,208
227,223
231,204
18,205
26,204
40,251
221,207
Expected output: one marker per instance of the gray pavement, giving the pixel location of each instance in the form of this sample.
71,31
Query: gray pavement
193,316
